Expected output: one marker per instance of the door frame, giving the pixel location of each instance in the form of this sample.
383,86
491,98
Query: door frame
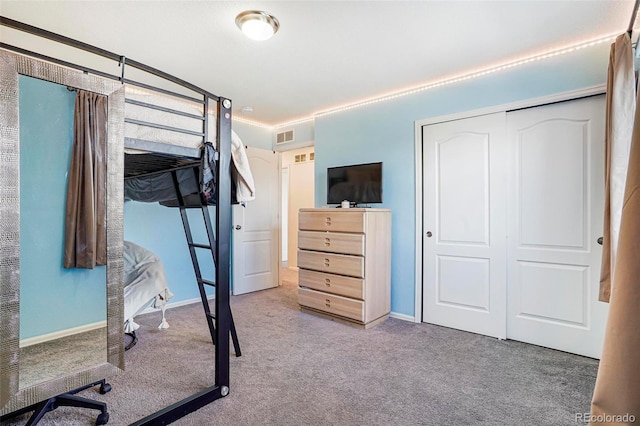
419,175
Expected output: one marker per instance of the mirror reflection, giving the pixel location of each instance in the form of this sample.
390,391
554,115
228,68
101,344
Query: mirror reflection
62,311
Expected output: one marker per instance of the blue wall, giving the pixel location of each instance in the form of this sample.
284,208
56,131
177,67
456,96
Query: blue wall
51,298
385,132
159,229
257,137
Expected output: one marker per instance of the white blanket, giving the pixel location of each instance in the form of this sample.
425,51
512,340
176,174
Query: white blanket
145,284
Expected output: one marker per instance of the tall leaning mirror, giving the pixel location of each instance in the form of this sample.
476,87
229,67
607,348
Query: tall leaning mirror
60,322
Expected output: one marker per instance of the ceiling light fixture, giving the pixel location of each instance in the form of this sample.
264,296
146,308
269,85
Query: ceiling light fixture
257,25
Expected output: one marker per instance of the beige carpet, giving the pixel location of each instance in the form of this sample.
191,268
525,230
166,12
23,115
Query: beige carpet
298,369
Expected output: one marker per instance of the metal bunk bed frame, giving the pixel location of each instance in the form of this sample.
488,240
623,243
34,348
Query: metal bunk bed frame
222,199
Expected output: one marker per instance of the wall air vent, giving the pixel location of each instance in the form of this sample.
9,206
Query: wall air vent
285,136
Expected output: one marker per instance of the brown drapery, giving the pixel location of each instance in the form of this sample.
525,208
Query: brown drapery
616,397
621,104
85,223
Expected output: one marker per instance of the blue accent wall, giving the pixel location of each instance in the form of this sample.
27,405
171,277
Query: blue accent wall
385,131
51,298
159,229
257,137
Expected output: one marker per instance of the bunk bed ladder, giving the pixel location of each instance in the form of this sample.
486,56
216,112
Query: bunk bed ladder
210,316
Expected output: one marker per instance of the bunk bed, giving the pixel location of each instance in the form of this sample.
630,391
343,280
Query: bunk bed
181,152
158,122
169,159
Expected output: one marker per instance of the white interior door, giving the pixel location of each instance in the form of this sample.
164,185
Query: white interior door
255,228
556,205
465,224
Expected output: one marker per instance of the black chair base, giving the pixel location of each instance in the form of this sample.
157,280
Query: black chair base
69,399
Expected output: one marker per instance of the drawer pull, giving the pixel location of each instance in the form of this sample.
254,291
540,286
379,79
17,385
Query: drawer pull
327,282
327,242
327,221
327,303
326,263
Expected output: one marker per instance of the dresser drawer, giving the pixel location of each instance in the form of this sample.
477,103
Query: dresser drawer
334,242
330,303
336,284
329,221
341,264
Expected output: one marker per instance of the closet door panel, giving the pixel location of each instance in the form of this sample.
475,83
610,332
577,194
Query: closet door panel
553,183
556,203
465,224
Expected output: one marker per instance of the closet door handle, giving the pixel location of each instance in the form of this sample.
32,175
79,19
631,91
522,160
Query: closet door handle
600,240
238,227
429,234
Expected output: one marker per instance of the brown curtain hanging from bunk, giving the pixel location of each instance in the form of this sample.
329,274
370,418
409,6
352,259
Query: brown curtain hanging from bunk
85,223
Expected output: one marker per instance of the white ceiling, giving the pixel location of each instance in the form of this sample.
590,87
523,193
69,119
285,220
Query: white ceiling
327,53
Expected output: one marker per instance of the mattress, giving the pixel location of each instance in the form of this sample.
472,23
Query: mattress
192,123
140,138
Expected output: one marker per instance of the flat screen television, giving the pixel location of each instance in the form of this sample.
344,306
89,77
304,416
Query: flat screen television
357,183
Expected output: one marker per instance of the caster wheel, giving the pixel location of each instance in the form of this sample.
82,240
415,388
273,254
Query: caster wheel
102,419
104,388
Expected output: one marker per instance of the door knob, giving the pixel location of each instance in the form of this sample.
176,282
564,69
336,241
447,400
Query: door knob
600,240
429,234
238,227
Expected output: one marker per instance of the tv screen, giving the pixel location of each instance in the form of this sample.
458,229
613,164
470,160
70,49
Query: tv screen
358,183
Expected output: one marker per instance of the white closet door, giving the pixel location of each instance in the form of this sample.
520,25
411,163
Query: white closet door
465,224
555,218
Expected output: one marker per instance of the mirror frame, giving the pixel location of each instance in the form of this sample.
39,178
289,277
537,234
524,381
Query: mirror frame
11,66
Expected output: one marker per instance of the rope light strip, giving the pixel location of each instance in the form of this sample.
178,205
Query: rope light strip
450,80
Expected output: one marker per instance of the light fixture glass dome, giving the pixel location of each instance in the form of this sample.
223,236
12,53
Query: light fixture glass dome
257,25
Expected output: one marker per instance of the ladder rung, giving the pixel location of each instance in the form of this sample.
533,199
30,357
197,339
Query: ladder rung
210,315
189,206
198,245
207,282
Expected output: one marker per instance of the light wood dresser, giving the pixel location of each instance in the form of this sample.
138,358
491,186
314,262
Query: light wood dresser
344,261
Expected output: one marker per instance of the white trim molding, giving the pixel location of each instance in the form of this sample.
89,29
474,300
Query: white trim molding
403,317
62,333
170,305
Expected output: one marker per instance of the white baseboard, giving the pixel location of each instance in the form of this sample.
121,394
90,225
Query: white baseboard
170,305
403,317
62,333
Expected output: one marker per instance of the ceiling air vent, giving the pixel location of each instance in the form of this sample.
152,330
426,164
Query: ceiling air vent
283,137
